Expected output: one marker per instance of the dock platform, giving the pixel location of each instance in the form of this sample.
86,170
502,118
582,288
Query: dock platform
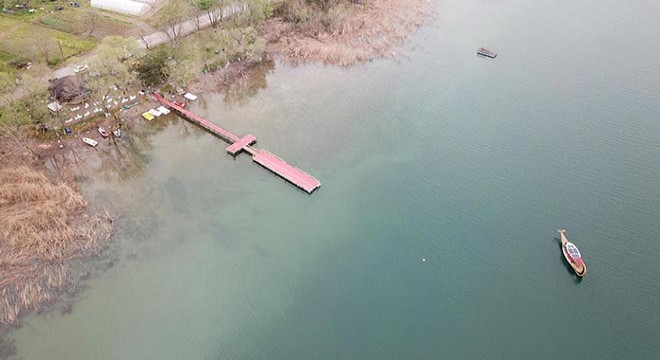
290,173
236,147
262,157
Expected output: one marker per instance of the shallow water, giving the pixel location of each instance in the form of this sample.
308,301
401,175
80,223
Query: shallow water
469,163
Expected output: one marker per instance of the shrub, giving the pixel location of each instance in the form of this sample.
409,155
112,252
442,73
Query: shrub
153,68
334,18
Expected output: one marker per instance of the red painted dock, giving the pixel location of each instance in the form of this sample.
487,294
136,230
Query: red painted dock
236,147
292,174
264,158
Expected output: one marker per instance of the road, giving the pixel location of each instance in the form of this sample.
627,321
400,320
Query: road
185,28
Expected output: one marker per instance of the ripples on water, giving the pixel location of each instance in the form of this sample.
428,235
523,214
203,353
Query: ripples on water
470,163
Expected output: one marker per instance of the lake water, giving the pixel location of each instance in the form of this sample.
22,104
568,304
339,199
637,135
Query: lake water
469,163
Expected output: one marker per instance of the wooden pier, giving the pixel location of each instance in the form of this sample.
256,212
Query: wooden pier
262,157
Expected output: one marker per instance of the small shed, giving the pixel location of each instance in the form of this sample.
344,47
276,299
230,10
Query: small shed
54,106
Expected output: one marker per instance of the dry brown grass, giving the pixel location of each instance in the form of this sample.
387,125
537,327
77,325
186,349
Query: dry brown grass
44,225
347,34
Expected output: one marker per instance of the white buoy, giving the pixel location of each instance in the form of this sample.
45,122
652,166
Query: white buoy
423,259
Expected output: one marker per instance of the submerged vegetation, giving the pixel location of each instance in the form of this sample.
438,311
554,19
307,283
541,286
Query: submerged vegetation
44,227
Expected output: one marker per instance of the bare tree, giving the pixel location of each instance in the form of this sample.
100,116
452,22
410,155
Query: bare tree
44,47
171,20
195,13
110,70
91,20
212,8
146,43
10,119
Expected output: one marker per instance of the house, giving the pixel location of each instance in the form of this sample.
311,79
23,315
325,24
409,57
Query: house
68,89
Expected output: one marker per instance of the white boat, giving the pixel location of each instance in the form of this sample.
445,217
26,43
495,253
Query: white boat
103,132
190,96
90,142
116,132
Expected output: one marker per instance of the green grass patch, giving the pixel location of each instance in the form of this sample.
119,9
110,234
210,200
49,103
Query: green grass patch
5,57
57,23
27,40
16,114
72,45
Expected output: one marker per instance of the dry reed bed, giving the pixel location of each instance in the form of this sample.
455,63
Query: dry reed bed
44,226
360,32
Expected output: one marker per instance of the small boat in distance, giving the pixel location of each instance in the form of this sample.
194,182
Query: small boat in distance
90,142
487,53
103,132
572,254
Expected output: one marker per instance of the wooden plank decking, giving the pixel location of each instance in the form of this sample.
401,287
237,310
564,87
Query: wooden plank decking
290,173
236,147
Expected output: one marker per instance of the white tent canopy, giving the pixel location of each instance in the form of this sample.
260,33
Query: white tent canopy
130,7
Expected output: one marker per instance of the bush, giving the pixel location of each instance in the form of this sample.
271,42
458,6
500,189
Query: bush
298,12
153,68
167,89
325,5
18,62
334,18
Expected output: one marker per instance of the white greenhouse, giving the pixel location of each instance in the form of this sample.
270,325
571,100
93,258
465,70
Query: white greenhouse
130,7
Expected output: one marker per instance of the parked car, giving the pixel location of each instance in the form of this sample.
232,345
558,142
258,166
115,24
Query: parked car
79,69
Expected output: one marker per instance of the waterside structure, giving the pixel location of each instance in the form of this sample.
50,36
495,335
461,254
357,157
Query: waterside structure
238,144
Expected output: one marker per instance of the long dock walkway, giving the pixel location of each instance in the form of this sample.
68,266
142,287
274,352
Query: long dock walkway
262,157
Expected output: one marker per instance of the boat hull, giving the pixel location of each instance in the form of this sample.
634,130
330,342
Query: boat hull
90,142
103,132
487,53
581,269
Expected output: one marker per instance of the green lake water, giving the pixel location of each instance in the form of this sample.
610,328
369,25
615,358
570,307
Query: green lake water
469,163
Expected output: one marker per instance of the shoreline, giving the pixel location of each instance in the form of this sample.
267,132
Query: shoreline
365,31
366,35
47,227
363,39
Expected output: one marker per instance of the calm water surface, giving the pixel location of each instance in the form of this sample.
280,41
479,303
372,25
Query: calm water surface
469,163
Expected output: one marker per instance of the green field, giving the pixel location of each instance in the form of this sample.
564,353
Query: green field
23,38
5,56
